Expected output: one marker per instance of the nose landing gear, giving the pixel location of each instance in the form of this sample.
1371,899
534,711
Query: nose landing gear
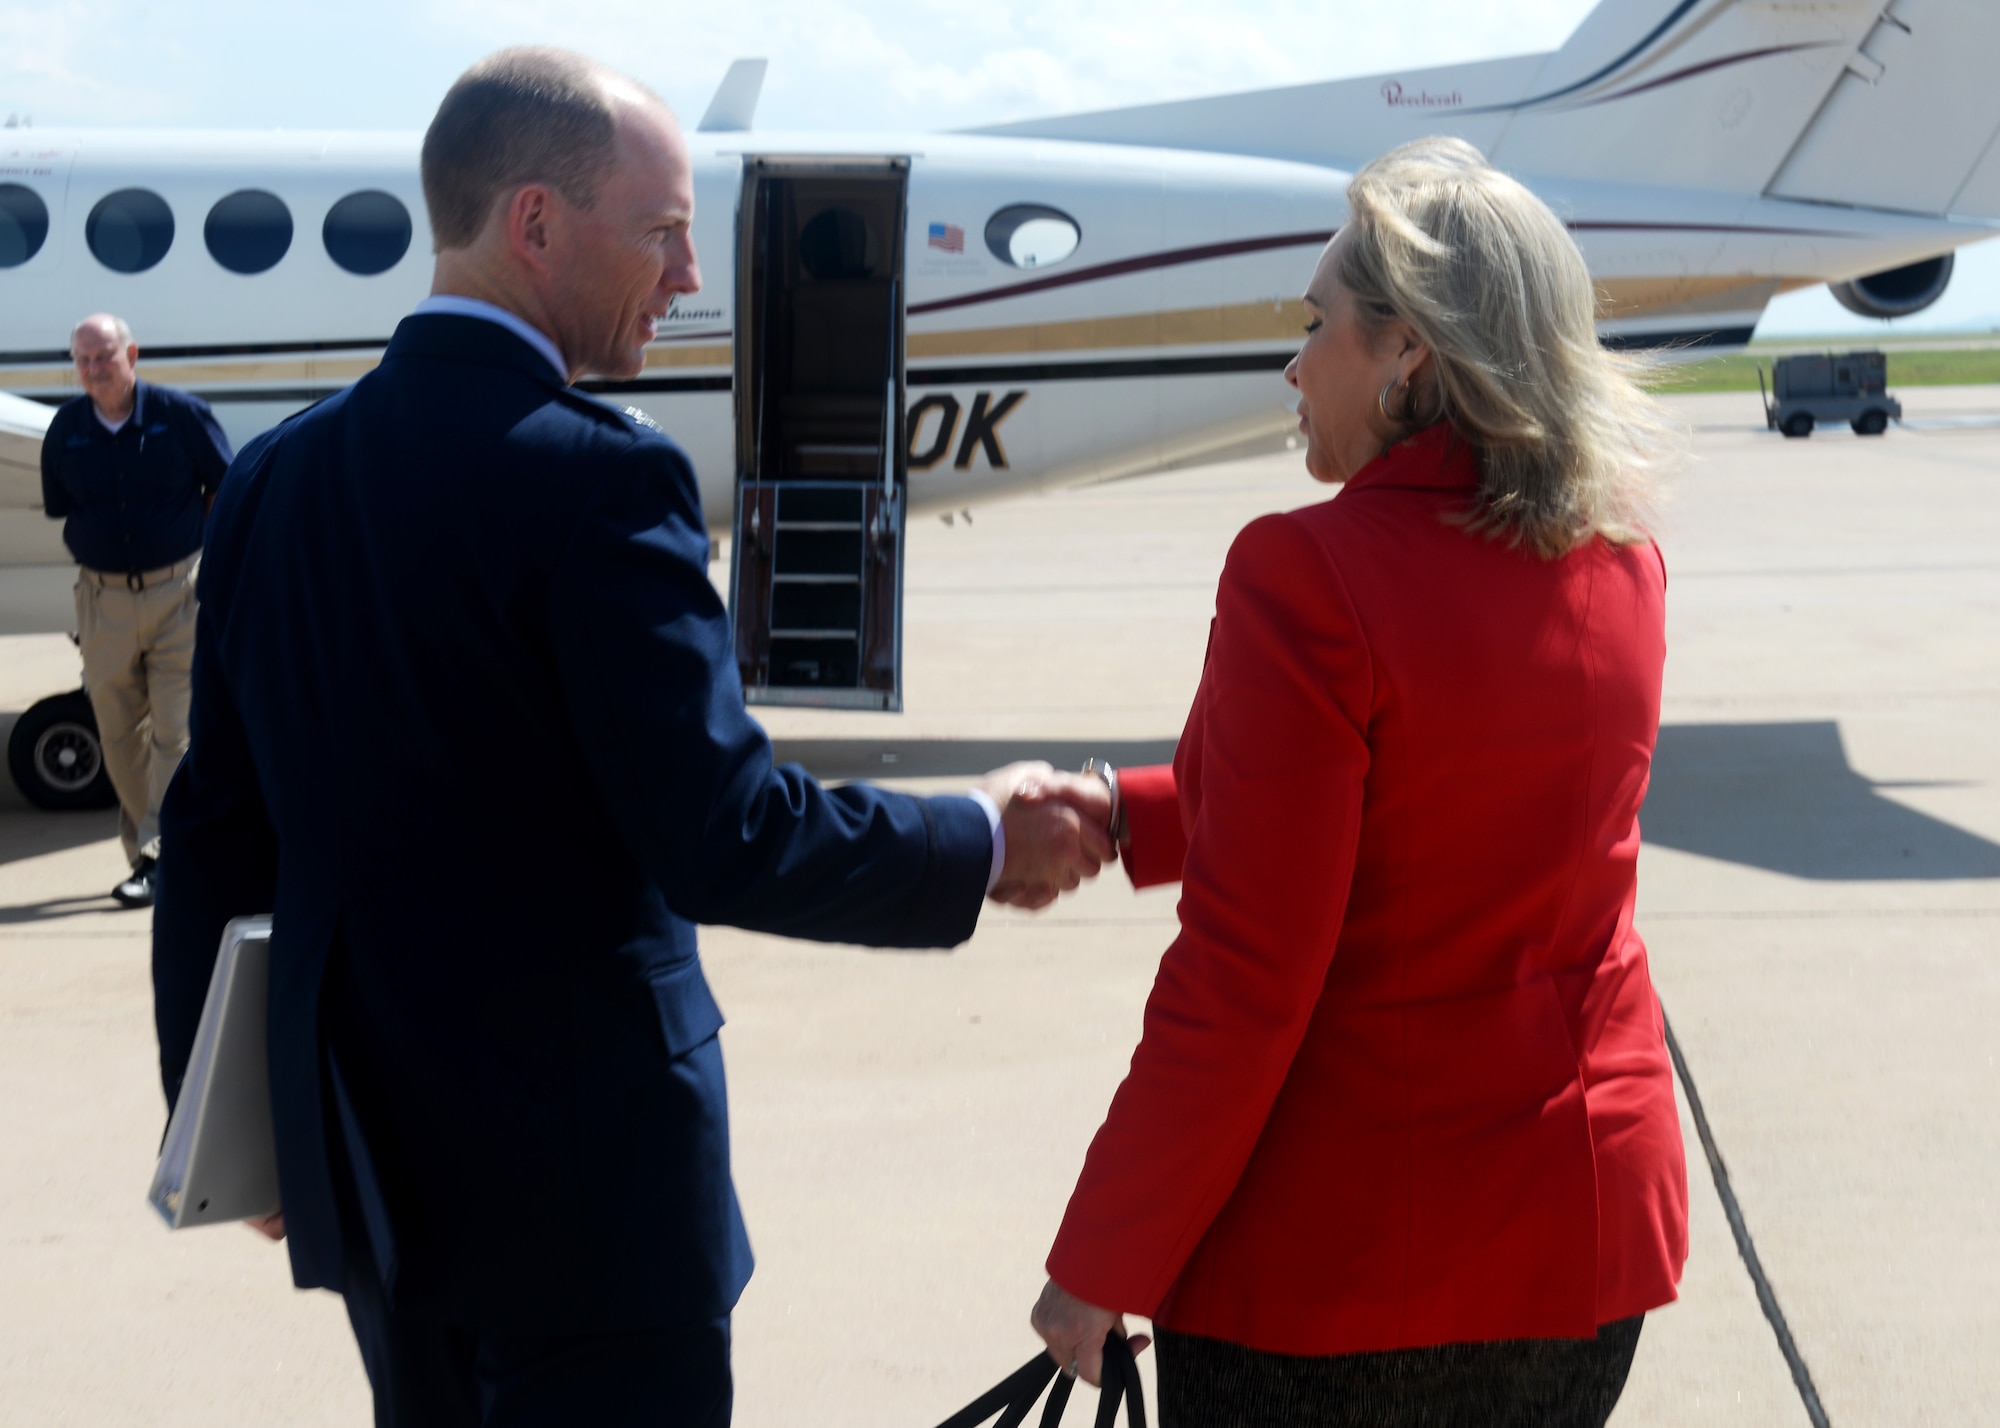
55,757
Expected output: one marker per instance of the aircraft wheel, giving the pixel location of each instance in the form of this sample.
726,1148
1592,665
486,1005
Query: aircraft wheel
55,757
1798,424
1872,422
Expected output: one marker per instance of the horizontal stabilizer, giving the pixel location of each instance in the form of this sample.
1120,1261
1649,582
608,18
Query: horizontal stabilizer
22,425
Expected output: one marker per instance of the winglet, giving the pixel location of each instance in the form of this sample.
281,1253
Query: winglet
735,102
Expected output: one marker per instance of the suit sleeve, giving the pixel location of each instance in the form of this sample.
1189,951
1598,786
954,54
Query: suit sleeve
647,663
218,848
207,445
1157,843
1264,890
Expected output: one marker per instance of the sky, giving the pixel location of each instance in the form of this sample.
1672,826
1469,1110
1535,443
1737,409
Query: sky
835,64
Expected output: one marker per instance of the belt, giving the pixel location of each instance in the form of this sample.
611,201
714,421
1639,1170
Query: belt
137,580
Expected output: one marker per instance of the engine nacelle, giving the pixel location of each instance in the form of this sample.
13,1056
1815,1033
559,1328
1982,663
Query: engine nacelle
1898,292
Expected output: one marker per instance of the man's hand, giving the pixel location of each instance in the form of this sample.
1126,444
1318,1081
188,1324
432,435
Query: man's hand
1055,829
1074,1332
271,1227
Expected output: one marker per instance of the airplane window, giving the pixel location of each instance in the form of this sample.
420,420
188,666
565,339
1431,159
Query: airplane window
130,230
367,232
248,231
835,244
24,224
1029,235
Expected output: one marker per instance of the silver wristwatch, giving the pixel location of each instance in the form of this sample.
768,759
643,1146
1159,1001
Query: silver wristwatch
1115,825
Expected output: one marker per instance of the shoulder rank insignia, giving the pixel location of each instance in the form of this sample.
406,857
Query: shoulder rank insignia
642,419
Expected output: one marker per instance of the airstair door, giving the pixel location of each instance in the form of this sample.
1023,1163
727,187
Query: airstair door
816,582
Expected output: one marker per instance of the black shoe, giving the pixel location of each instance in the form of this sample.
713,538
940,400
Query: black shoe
137,890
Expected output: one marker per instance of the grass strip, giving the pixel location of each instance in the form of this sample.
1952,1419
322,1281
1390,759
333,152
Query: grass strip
1737,372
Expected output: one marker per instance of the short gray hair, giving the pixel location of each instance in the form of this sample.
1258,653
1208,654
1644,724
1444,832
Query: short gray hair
119,329
534,114
1569,444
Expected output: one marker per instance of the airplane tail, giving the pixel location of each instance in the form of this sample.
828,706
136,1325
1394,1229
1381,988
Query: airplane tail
1882,104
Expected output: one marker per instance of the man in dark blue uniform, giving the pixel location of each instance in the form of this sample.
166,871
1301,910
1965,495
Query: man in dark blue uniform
467,720
130,469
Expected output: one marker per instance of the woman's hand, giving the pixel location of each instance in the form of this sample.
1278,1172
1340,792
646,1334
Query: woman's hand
1053,827
1074,1332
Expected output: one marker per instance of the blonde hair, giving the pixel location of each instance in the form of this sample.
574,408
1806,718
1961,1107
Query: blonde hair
1570,447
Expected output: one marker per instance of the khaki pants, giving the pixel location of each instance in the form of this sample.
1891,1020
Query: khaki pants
138,663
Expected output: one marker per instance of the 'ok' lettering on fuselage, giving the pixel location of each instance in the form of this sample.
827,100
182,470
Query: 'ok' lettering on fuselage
982,430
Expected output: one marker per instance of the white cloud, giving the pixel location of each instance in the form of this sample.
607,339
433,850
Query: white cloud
53,64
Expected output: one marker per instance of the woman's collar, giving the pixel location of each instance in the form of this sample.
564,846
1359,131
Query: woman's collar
1436,458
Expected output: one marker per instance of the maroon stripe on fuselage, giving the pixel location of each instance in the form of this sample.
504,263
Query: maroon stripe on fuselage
1177,256
1171,259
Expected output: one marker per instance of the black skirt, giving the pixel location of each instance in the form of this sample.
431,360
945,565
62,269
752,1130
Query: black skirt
1513,1383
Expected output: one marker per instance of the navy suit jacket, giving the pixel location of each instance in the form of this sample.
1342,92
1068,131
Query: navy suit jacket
466,720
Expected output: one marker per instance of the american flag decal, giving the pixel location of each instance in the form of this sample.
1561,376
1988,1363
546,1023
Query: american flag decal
948,236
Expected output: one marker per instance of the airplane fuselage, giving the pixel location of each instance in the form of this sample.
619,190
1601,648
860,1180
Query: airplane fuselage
1158,339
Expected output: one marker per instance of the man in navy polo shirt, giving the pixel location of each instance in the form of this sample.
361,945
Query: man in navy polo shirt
130,469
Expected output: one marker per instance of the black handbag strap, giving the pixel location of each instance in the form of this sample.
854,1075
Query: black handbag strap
1013,1398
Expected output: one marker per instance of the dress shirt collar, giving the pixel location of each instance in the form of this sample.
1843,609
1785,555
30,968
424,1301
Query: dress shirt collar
136,418
451,305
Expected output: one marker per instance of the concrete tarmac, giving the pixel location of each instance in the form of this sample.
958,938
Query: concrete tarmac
1820,889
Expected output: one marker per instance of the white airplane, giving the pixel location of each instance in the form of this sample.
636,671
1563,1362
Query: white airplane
902,323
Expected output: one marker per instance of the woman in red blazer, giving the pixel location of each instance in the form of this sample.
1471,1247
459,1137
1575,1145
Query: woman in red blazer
1399,1143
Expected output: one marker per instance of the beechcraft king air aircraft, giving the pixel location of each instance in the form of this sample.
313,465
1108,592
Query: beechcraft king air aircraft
896,323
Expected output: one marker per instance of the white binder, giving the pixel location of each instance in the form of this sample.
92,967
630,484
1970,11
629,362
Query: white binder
219,1161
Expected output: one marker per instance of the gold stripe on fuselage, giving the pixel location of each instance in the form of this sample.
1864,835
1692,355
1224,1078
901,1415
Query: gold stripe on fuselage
1682,297
325,372
718,354
1282,321
262,371
1259,322
1285,321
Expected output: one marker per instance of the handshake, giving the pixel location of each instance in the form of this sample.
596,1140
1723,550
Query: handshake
1056,831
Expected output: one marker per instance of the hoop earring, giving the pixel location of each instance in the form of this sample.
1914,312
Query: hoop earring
1415,417
1382,403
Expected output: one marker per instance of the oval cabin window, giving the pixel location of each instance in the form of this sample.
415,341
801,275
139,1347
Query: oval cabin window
129,231
249,231
24,224
1031,235
836,244
368,232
